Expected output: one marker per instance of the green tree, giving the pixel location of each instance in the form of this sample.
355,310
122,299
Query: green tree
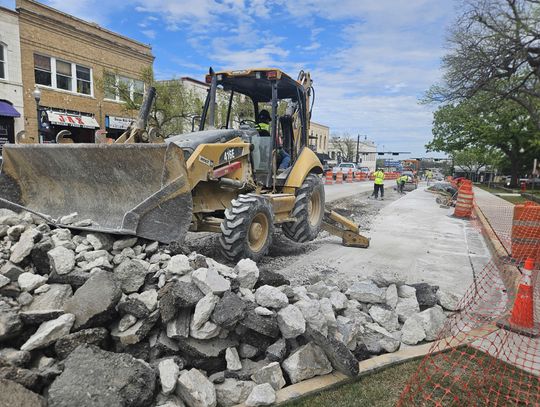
494,48
346,146
483,123
473,159
174,106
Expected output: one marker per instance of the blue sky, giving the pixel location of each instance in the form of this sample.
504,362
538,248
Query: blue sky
370,59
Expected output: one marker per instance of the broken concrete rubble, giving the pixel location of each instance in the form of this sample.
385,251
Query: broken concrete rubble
195,389
261,395
306,362
49,332
110,379
94,303
231,329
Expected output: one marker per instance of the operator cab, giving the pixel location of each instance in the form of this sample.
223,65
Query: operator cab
270,108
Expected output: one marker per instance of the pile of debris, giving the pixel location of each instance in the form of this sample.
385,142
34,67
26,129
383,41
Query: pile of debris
93,319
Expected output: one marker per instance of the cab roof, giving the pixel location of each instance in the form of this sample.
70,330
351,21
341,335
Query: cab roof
257,83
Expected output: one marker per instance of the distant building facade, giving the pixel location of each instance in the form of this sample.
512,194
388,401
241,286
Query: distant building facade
73,63
11,87
319,135
367,154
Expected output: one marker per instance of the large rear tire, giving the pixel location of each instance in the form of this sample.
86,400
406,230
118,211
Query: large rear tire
246,231
308,211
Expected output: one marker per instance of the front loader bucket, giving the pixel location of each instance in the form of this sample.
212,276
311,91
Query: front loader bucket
133,189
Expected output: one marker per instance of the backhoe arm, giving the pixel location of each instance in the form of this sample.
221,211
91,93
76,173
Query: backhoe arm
349,231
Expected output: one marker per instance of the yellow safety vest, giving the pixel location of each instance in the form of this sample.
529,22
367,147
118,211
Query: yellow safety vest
404,178
263,126
379,177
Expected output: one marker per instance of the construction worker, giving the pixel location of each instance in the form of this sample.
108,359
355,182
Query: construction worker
401,183
263,126
429,176
263,123
378,184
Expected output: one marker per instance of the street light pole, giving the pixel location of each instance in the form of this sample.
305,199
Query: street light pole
37,97
357,148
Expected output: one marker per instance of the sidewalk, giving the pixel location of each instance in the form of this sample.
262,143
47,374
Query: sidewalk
412,236
498,212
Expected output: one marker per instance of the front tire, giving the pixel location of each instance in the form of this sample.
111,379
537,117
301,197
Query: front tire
308,211
246,231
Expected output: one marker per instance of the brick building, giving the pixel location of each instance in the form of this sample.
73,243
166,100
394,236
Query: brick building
318,137
11,88
70,61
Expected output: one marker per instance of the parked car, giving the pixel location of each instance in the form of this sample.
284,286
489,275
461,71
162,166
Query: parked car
364,170
344,168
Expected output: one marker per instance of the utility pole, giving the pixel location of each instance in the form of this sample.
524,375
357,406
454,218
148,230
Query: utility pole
357,148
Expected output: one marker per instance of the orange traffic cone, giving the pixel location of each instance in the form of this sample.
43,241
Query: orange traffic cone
339,177
464,204
329,179
521,319
350,176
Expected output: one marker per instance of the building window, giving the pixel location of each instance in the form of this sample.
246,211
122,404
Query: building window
138,91
122,89
109,80
58,74
84,80
3,57
42,70
63,75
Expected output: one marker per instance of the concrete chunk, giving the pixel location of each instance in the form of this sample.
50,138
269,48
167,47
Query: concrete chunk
49,332
261,395
306,362
271,297
195,389
367,291
93,304
61,260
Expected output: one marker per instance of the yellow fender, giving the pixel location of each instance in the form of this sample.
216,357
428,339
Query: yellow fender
307,163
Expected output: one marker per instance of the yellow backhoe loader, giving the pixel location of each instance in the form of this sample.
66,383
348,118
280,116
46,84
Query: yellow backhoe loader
223,180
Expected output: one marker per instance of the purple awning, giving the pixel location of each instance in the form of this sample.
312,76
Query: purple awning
7,110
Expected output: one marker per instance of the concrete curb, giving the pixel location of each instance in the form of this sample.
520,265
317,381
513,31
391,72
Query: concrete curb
336,379
511,274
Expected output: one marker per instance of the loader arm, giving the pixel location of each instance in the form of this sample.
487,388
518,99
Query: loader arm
347,230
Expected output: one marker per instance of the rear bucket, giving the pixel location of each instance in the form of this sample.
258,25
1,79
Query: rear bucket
132,189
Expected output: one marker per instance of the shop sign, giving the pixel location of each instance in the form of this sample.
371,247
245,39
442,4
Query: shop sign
121,123
60,119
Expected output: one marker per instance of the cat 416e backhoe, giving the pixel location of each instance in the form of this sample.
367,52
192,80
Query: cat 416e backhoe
220,180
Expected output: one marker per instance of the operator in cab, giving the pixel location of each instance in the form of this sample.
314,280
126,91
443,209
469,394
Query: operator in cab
263,123
263,127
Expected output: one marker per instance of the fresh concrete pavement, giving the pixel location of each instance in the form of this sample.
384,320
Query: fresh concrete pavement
340,191
413,236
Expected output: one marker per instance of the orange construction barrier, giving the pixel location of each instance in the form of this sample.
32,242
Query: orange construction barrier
358,176
464,204
525,237
329,178
522,317
350,176
339,177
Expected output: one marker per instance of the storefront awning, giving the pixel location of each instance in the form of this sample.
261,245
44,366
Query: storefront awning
60,119
7,110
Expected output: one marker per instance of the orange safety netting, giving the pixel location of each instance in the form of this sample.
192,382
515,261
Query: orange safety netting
482,357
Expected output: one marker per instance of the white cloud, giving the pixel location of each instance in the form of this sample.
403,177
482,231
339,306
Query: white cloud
370,60
149,33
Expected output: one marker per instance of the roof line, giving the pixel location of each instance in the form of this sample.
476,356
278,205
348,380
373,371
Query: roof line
88,23
2,8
